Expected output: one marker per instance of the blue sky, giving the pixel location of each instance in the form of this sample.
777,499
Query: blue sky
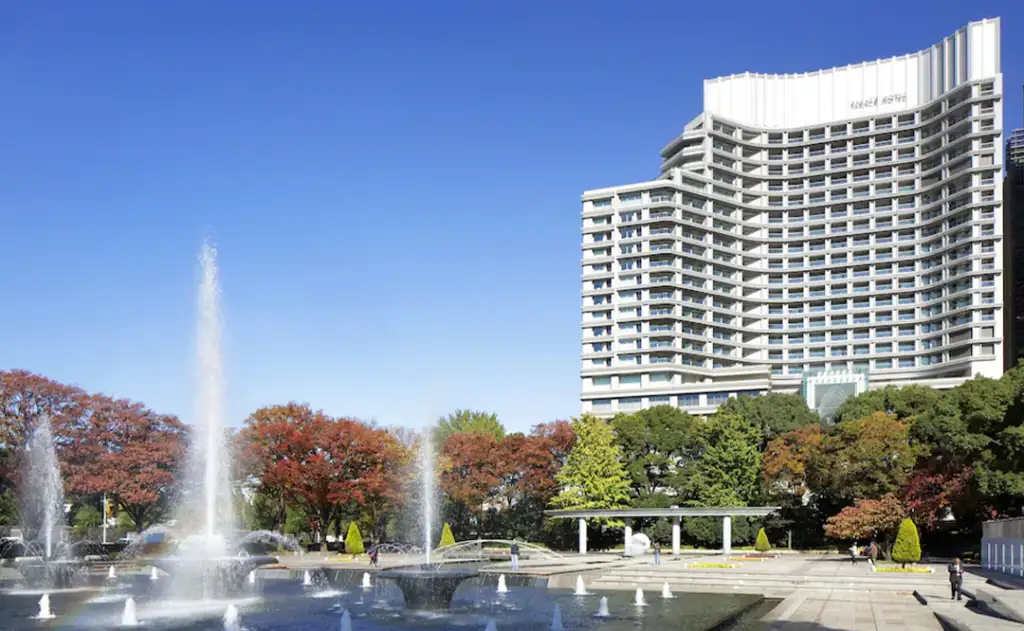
393,186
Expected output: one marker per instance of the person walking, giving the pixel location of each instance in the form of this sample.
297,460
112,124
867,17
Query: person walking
873,552
514,553
373,555
853,553
657,554
956,579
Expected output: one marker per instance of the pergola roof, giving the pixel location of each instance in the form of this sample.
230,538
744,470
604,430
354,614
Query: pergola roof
689,511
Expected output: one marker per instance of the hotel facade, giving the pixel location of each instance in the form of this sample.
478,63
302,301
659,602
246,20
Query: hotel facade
819,233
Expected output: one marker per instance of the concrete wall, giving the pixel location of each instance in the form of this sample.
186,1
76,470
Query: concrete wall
1002,546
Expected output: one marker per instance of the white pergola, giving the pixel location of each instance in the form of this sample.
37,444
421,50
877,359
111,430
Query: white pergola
676,513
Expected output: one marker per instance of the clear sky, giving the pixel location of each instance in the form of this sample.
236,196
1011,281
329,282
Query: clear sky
393,186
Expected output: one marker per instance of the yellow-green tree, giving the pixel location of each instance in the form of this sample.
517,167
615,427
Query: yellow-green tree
907,548
353,540
762,545
447,538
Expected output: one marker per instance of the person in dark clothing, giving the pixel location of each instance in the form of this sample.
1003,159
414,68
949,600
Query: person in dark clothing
514,553
873,552
373,555
956,578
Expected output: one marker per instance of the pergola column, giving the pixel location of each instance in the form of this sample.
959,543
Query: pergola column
628,535
583,535
675,535
727,535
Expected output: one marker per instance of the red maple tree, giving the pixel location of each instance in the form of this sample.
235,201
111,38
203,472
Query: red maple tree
321,464
25,398
927,495
471,467
129,452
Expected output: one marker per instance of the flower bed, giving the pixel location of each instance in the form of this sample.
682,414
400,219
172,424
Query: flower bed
905,570
721,566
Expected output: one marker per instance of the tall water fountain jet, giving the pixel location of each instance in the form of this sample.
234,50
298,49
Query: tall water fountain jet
42,493
209,482
346,621
427,587
206,559
602,608
427,476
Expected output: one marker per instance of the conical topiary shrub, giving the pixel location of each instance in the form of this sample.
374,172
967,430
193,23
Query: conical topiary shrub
907,548
762,545
447,538
353,540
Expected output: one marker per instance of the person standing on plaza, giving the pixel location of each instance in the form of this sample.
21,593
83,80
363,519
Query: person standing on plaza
873,552
956,578
514,553
657,554
853,553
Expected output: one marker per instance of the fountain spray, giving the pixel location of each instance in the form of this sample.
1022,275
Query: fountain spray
44,608
42,497
427,475
210,417
128,617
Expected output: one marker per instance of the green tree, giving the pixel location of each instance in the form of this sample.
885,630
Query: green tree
727,471
866,459
904,403
653,442
774,413
447,538
86,517
762,545
354,540
907,548
593,475
468,421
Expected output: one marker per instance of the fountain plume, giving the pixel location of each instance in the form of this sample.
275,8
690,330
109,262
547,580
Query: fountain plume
128,618
666,592
556,619
638,599
42,493
366,581
232,621
111,573
153,574
346,621
581,588
307,580
44,608
602,609
426,464
502,587
491,626
208,490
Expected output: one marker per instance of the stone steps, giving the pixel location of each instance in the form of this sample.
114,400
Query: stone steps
901,582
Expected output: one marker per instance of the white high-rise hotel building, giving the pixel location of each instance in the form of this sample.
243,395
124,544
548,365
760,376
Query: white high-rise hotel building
844,223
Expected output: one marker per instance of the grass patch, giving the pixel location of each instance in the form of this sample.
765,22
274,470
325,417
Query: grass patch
904,570
721,566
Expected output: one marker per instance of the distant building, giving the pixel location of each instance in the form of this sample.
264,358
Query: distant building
840,222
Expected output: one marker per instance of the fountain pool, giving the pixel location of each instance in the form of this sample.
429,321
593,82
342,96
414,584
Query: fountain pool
285,605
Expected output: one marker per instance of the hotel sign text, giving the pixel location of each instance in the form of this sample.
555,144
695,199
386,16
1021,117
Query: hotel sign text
876,101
